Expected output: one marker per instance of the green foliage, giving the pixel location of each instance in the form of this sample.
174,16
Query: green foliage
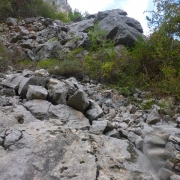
107,65
48,63
62,16
4,59
76,14
5,9
24,64
158,57
147,104
166,15
66,65
69,68
30,8
54,39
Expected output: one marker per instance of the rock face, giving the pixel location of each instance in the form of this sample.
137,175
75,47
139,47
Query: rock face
120,28
77,134
61,5
42,38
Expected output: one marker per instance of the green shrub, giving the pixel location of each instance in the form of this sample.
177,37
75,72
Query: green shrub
76,14
48,63
26,8
24,64
106,65
68,68
5,9
4,59
66,65
62,16
158,62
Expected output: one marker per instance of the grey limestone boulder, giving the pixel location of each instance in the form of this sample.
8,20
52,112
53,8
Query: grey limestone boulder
38,108
175,177
153,117
132,23
69,117
94,111
101,15
78,101
139,143
119,31
29,20
27,44
60,114
82,26
100,127
133,137
27,73
57,93
11,21
16,37
13,81
24,84
23,30
41,73
47,50
78,39
156,139
165,174
8,92
36,92
114,133
12,137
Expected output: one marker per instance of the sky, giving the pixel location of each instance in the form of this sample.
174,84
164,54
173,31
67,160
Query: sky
134,8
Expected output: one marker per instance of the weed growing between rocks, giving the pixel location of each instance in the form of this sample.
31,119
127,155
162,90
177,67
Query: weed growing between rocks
67,65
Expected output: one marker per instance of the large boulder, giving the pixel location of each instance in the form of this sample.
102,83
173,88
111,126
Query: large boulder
94,112
12,81
36,92
46,50
82,26
59,114
78,101
100,127
101,15
11,21
121,29
57,92
24,84
153,117
38,108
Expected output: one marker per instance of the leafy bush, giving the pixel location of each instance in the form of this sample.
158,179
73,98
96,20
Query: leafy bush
62,16
158,60
107,65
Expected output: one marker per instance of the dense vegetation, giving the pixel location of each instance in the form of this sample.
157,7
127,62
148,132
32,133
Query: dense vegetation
152,64
34,8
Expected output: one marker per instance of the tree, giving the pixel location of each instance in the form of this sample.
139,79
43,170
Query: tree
166,16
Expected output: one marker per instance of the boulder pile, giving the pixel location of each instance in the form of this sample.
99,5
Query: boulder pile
64,129
42,38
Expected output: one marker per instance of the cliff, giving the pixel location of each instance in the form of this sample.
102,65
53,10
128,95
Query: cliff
62,5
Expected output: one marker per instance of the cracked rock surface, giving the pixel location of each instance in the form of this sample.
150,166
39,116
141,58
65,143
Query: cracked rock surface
109,139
